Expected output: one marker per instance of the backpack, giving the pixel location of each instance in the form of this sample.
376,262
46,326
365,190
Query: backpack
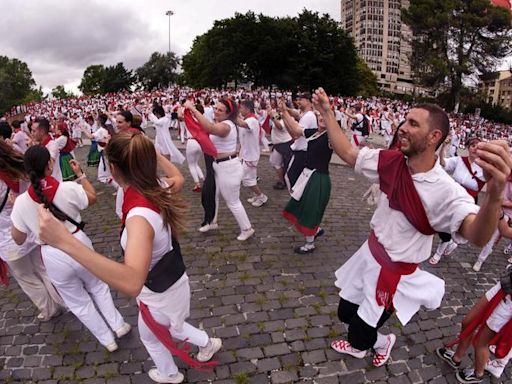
363,126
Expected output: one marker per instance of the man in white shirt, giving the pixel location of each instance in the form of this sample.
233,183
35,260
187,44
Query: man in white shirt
250,131
419,200
20,139
41,134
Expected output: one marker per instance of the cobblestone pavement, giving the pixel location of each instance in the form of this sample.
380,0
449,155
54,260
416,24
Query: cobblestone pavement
274,310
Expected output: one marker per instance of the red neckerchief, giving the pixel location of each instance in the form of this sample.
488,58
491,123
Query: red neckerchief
47,139
502,340
49,186
13,185
479,182
396,182
132,199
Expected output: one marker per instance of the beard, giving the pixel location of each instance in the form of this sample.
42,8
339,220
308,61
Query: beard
414,148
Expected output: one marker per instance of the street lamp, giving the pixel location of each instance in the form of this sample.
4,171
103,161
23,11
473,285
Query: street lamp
169,13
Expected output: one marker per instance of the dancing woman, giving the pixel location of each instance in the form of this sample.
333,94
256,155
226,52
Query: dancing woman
153,269
79,288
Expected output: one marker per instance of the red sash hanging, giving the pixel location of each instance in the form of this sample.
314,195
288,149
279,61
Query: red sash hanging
4,278
502,340
266,124
198,133
132,199
480,183
13,185
49,186
396,182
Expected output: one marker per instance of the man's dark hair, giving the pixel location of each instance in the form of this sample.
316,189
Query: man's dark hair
249,104
43,123
437,119
127,116
5,130
16,124
158,110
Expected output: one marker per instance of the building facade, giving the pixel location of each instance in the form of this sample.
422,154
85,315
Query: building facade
382,40
497,88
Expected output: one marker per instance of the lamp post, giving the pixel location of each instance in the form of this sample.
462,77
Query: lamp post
169,13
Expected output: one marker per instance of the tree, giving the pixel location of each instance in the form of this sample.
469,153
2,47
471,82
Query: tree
16,83
117,78
454,39
159,71
304,52
60,93
92,80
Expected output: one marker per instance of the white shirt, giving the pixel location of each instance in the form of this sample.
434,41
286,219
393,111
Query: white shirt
209,114
278,136
307,121
226,144
9,250
250,140
69,198
101,136
446,204
20,141
54,148
460,173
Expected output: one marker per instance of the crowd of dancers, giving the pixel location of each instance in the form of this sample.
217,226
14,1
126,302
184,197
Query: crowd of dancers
43,189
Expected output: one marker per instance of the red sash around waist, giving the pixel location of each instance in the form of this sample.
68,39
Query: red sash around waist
390,273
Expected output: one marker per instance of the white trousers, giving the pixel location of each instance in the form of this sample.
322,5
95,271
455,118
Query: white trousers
228,175
32,278
182,132
193,152
158,352
487,249
80,290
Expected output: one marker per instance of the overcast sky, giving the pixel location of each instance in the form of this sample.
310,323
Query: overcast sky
58,39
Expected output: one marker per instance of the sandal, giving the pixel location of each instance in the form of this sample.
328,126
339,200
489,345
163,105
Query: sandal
435,259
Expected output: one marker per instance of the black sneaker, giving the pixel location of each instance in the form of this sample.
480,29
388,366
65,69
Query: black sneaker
468,376
447,355
321,232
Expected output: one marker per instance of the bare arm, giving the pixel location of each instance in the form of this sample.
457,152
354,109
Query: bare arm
495,160
172,174
337,138
127,277
217,129
18,236
292,126
87,186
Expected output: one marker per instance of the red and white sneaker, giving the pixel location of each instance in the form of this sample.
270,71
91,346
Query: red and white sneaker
382,354
343,346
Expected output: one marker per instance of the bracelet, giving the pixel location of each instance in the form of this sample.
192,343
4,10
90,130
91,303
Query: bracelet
80,178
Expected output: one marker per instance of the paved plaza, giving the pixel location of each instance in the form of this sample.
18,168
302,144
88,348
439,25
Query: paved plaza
275,311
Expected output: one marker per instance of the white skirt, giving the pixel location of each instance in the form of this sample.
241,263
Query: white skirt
357,280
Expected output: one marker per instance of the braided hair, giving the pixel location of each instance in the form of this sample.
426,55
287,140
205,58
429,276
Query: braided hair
36,160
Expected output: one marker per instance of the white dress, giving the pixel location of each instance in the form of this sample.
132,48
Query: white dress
163,141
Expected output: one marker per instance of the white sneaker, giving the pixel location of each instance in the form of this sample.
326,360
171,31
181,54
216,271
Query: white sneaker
112,347
259,200
477,266
343,346
208,227
495,367
245,234
382,354
508,249
206,353
174,379
125,328
441,247
450,248
252,199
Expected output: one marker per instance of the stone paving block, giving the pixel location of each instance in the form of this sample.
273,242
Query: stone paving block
281,377
276,350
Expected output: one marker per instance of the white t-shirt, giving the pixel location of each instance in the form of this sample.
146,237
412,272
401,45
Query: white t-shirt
209,114
101,135
69,198
446,204
226,144
250,140
460,173
20,141
307,121
277,135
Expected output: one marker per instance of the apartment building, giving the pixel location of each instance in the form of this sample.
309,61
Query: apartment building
497,88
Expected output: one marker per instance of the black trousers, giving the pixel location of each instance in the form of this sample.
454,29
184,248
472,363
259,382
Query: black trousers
360,335
208,191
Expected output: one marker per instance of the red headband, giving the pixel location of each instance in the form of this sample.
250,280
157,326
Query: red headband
231,109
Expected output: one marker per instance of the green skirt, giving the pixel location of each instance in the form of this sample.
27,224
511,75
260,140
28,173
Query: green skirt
307,213
93,158
65,167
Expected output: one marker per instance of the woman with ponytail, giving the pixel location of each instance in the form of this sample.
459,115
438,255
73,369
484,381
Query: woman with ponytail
227,166
23,261
153,270
79,288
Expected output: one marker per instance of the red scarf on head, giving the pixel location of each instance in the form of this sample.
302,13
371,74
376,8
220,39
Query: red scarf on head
198,132
502,340
133,199
13,185
49,186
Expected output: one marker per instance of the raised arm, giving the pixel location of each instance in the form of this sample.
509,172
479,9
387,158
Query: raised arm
495,160
293,127
217,129
337,138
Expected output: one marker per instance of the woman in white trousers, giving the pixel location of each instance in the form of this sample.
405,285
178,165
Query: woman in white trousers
227,166
79,289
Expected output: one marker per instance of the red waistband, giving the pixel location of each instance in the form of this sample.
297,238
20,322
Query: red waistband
381,256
